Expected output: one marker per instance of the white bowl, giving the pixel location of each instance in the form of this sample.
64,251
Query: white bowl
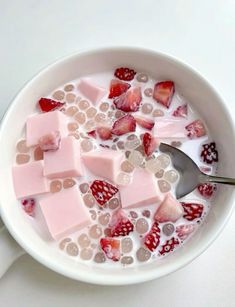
200,94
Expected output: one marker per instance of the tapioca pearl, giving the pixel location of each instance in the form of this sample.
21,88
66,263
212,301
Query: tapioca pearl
136,158
114,203
89,125
91,112
119,114
38,154
99,257
146,213
86,145
140,149
133,214
70,97
171,176
132,144
100,117
58,95
126,245
168,229
72,249
158,113
104,106
120,144
142,225
142,77
64,242
147,108
80,117
72,126
153,165
22,158
126,260
123,179
132,137
89,200
22,147
68,183
143,254
164,160
176,143
160,173
127,167
83,240
164,186
110,114
55,186
71,111
75,135
95,232
114,147
93,245
84,187
83,104
86,253
104,219
148,92
68,87
93,214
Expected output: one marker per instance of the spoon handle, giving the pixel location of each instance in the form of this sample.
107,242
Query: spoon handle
216,179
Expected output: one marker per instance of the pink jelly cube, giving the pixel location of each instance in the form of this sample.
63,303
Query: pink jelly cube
64,162
170,128
64,212
104,163
42,124
28,179
142,191
92,91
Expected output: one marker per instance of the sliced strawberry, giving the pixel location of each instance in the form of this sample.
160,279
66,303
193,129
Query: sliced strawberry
181,111
163,92
169,246
150,143
50,141
117,88
152,239
28,205
196,129
105,133
120,224
111,248
124,73
47,104
183,231
92,134
145,122
124,124
209,153
102,191
169,211
206,189
129,101
192,211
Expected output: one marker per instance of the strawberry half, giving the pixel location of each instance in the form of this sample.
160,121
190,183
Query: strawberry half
117,88
150,143
209,153
181,111
111,248
92,134
192,211
145,122
129,101
196,129
102,191
169,246
28,205
206,189
120,225
124,73
124,124
183,231
152,239
163,92
47,104
105,133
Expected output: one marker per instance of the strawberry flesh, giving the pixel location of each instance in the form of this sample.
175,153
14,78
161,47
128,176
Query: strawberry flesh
150,143
50,141
28,205
124,124
145,122
163,92
117,88
129,101
47,104
169,246
196,129
206,189
120,224
105,133
102,191
92,134
152,239
124,73
181,111
183,231
111,248
192,211
209,153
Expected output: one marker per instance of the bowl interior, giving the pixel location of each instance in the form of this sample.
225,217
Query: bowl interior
198,92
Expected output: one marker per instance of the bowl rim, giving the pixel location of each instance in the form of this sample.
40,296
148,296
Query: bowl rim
140,276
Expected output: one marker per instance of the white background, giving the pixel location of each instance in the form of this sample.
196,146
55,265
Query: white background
34,33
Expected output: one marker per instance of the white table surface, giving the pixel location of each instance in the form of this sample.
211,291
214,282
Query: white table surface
34,33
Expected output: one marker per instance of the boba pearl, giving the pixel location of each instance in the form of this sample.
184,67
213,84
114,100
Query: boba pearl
100,117
127,167
114,147
142,77
159,173
22,147
123,179
146,213
22,158
164,186
86,253
114,203
127,260
171,176
133,214
93,245
89,200
176,143
153,165
132,144
127,154
89,125
143,254
84,187
91,112
110,114
83,240
107,232
168,229
99,257
140,149
86,145
70,97
119,114
72,249
136,158
69,88
141,226
104,106
55,186
120,144
147,108
148,92
104,219
83,104
71,111
72,126
95,232
164,160
158,113
80,117
93,214
126,245
58,95
68,183
38,154
64,242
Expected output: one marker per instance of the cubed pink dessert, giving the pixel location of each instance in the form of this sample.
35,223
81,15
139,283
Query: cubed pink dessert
104,163
28,179
64,212
91,90
142,191
41,124
170,128
64,162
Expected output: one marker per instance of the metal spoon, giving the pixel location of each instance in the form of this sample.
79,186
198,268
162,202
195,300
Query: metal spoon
191,175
